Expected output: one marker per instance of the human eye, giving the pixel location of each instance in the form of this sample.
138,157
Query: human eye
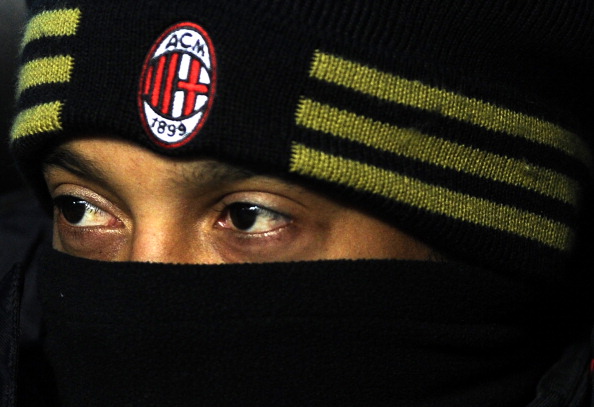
81,213
250,218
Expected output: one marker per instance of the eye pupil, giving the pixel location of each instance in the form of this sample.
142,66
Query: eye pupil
243,215
72,209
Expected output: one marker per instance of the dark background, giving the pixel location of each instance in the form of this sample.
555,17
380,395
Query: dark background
12,19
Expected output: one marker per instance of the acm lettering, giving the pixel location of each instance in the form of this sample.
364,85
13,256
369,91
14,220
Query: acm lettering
183,41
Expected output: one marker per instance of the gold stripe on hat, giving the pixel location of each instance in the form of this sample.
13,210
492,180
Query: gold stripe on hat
413,93
432,198
413,144
38,119
52,23
44,71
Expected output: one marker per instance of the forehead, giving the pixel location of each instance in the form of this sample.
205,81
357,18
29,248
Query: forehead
103,158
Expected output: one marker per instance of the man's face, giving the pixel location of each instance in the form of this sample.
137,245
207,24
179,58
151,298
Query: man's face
117,201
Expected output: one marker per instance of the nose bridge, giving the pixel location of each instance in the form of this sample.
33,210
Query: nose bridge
160,242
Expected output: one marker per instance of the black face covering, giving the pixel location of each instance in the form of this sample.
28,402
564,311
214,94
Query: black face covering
398,333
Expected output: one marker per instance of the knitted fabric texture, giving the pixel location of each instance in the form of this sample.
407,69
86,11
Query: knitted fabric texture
461,123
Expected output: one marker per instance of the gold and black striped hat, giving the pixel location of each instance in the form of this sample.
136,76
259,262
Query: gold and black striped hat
463,123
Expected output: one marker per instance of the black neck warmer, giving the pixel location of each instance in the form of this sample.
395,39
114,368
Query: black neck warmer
367,333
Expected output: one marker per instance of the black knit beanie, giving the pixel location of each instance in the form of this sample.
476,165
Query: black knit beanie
463,123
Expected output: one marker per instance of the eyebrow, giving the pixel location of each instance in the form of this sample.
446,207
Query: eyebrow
210,172
75,163
203,173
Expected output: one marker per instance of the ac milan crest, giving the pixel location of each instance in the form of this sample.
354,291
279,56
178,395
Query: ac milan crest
177,85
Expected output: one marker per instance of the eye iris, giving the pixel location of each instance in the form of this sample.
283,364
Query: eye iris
243,216
73,209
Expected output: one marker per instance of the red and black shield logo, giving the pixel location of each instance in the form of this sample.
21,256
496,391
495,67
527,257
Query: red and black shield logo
177,85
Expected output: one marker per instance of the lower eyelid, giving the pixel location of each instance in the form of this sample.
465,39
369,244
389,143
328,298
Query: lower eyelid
92,243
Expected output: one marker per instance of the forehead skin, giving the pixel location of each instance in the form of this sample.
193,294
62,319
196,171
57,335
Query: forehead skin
170,210
91,160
